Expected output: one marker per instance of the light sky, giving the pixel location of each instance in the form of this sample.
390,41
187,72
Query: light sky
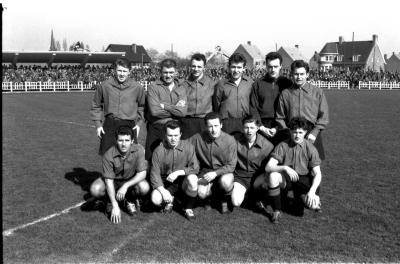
200,25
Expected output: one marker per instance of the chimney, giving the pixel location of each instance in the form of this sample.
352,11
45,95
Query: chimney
374,39
249,43
134,48
296,46
340,39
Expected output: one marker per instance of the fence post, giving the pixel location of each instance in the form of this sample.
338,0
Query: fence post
81,86
54,86
380,85
11,86
359,85
26,88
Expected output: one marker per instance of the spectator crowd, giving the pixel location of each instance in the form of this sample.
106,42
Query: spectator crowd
75,74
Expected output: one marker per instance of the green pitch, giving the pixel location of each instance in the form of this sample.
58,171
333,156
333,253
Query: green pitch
50,158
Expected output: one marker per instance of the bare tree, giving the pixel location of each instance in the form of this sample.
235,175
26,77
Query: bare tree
153,54
58,45
65,44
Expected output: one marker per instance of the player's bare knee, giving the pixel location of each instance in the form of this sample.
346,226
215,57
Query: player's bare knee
274,179
238,194
226,182
191,182
202,191
143,188
156,198
98,189
237,199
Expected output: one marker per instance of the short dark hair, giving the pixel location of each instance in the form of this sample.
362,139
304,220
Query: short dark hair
299,64
198,57
124,131
237,58
212,115
124,62
250,119
172,124
168,63
273,56
298,122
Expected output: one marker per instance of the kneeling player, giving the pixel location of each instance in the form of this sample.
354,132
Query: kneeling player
252,151
217,155
294,163
174,168
124,173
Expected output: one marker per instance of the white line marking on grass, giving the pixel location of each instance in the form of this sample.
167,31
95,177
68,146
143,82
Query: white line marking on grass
9,232
64,122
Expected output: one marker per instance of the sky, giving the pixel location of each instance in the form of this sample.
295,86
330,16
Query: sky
199,26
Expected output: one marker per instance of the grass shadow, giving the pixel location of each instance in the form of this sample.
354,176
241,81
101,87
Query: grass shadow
82,177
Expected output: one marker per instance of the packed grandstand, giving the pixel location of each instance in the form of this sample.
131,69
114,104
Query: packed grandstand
75,74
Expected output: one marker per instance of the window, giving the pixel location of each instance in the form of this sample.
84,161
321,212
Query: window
339,58
356,57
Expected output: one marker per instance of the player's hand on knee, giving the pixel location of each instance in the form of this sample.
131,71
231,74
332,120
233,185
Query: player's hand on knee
294,177
209,176
121,193
167,197
115,215
100,131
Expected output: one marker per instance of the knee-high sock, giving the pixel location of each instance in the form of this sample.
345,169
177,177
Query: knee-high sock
275,197
226,195
131,195
189,199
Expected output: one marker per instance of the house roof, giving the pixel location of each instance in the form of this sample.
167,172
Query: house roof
348,49
395,57
293,52
60,57
132,52
315,57
253,51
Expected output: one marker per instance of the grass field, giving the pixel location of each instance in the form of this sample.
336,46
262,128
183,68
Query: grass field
50,158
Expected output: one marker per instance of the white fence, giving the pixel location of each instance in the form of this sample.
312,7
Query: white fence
46,86
50,86
378,85
332,85
80,86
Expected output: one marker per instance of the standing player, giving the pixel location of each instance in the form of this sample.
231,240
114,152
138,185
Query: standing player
304,100
264,98
174,168
252,153
217,155
124,174
199,90
166,100
231,98
294,163
121,100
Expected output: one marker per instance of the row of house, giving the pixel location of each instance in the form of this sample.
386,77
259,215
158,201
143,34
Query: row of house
341,54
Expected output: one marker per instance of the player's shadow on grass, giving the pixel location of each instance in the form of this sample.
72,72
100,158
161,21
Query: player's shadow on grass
84,179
